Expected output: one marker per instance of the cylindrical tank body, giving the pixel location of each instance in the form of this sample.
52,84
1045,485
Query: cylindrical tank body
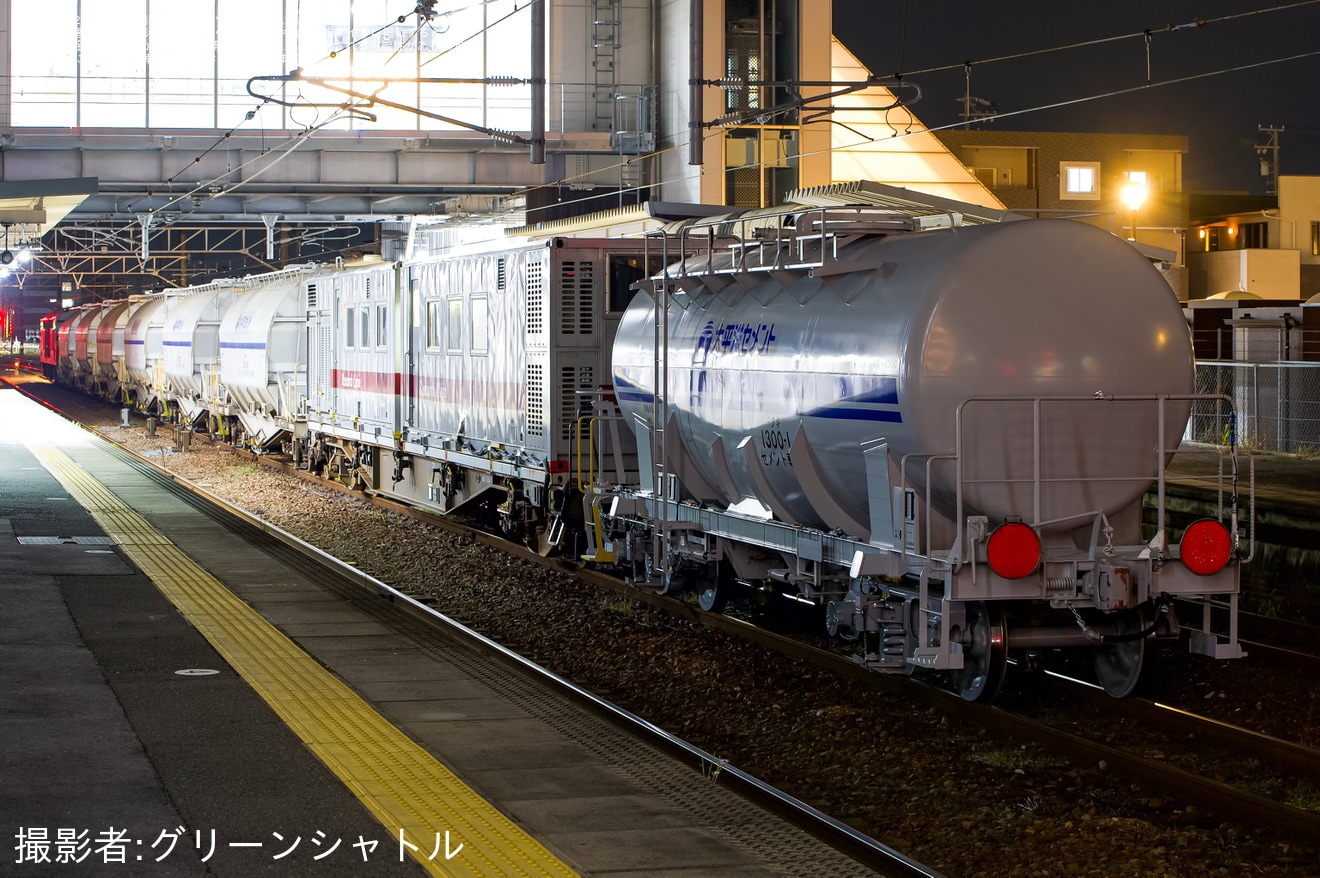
84,355
110,343
191,335
263,348
65,336
1020,309
143,350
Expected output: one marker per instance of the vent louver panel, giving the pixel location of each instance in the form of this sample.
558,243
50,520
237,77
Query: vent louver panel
535,400
535,300
573,380
311,296
576,285
322,367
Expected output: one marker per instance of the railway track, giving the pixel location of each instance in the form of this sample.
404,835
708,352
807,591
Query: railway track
1159,723
1167,726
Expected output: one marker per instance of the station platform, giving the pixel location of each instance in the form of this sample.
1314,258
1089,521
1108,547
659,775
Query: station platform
181,699
1284,483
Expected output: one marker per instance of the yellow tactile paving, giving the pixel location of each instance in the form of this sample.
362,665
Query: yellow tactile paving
398,781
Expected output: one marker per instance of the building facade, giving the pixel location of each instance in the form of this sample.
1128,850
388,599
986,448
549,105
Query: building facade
1273,252
1090,177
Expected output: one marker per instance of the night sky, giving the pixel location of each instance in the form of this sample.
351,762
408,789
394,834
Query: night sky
1219,113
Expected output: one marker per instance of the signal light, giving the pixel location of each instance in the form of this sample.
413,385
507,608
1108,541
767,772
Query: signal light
1206,547
1013,550
557,466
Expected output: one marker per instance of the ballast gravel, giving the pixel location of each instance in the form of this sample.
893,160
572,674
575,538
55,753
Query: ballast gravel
958,799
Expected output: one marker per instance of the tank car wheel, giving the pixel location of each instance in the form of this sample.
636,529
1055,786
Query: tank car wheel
673,582
840,619
985,657
1118,665
713,597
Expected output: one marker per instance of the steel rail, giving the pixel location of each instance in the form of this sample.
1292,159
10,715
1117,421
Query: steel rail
1177,724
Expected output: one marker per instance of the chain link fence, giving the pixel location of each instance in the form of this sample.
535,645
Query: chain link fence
1278,405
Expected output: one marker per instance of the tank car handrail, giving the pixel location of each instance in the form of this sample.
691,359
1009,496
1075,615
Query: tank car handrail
931,457
591,443
1251,526
1158,477
798,228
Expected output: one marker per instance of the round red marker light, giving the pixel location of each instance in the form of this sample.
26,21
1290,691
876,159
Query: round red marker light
1206,547
1013,550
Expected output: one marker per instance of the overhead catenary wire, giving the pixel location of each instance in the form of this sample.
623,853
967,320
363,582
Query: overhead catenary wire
863,138
897,135
299,139
292,144
1144,34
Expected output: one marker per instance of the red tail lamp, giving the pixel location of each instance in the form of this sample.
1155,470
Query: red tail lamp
1013,550
1206,547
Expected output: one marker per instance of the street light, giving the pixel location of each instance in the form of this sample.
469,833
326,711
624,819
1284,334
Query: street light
1133,195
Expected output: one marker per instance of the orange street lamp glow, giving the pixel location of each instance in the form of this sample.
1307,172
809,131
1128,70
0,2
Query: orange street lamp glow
1133,195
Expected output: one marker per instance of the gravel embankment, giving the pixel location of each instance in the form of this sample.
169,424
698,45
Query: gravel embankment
956,798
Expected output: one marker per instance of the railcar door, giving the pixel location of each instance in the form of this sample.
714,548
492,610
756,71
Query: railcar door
320,348
364,375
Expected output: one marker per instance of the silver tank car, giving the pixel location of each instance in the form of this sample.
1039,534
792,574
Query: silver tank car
939,432
1044,308
191,341
111,376
263,357
144,353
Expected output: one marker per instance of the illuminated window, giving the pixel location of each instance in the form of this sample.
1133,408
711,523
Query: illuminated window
1079,181
1315,239
415,291
761,163
1141,178
181,91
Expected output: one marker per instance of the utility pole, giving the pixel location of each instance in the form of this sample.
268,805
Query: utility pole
1268,153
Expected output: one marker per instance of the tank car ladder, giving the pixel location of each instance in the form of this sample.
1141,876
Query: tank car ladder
600,549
